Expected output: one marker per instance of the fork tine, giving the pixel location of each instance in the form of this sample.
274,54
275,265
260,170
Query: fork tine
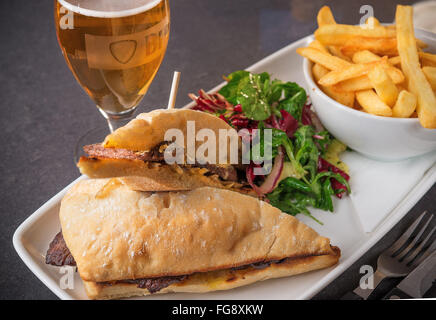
405,236
409,248
420,247
427,252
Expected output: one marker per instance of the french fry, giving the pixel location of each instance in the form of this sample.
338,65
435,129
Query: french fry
336,51
357,84
401,87
363,83
383,85
353,71
338,34
368,56
325,16
372,22
405,105
380,46
319,71
365,56
315,44
346,98
410,64
395,60
369,101
426,63
430,74
325,59
421,44
428,59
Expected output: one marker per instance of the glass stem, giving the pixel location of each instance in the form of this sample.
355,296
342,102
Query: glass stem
118,120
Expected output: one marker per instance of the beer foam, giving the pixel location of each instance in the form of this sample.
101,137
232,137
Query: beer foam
109,8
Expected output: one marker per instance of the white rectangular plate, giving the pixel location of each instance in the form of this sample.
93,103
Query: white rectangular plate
343,227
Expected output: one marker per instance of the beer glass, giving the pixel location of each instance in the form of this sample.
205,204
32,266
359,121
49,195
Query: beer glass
114,49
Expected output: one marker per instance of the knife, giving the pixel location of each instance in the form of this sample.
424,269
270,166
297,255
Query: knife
417,283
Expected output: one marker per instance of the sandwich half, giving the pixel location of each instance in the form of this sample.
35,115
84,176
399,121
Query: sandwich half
135,152
129,243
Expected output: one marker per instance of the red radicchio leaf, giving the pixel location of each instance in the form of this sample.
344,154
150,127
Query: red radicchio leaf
238,108
223,118
288,123
339,188
240,122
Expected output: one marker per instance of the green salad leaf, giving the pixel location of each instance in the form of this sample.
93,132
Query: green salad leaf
260,97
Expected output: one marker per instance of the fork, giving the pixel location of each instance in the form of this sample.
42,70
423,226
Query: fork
394,264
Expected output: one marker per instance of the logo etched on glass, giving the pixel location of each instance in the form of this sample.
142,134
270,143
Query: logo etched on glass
124,50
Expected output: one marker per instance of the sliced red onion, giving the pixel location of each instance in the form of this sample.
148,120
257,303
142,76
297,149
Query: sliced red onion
245,136
316,122
305,116
271,180
204,95
317,136
274,121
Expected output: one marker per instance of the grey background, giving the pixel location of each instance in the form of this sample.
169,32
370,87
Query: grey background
44,110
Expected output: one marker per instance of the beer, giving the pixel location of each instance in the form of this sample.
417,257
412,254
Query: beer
114,48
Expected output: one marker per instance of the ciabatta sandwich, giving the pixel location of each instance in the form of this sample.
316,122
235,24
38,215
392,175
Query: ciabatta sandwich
136,153
129,243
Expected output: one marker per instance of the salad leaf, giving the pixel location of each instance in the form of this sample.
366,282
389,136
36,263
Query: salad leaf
278,137
324,142
229,91
294,99
306,150
252,96
260,97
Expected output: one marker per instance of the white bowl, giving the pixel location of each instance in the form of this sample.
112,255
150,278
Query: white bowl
380,138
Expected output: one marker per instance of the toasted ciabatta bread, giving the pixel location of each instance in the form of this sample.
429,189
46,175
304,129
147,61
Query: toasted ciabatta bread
117,235
145,133
148,129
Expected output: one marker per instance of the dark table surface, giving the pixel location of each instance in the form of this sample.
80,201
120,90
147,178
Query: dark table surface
44,110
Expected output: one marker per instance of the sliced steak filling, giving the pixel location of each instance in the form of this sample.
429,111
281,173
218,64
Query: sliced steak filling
153,285
98,151
227,173
58,253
